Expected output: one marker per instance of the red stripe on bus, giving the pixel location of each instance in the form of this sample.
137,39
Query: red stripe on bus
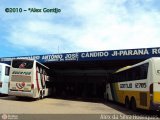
18,86
43,79
37,81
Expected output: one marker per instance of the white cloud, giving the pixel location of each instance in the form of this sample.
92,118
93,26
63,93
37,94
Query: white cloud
113,27
102,25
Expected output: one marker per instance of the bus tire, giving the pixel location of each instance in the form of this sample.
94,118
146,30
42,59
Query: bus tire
19,97
127,105
107,98
133,104
41,94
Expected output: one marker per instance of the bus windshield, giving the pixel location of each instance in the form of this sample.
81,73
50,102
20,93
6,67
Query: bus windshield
22,64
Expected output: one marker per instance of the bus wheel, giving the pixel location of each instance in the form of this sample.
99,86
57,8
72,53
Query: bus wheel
107,98
41,94
127,105
133,104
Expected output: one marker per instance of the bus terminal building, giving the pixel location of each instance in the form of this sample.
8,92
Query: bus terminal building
84,74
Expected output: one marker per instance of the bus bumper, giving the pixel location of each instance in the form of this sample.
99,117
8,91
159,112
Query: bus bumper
20,93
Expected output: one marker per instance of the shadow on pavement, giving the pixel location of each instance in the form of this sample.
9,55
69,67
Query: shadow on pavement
138,112
13,98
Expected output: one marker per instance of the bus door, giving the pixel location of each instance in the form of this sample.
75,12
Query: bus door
6,79
155,86
1,80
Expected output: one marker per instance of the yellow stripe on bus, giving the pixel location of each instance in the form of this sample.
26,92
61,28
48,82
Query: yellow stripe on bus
156,98
121,94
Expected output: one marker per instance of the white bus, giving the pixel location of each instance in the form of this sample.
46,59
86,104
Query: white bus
4,78
136,86
28,78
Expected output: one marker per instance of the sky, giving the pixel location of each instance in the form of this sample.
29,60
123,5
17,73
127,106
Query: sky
82,25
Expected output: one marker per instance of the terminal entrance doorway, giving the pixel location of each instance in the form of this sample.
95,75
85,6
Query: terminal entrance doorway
84,80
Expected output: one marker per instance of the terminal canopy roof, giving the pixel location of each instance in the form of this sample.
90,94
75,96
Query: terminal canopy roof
124,54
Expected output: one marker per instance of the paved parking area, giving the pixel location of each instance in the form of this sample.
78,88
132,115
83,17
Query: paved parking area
13,105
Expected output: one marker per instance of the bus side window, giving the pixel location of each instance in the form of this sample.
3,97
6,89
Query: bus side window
44,72
144,71
41,71
7,69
